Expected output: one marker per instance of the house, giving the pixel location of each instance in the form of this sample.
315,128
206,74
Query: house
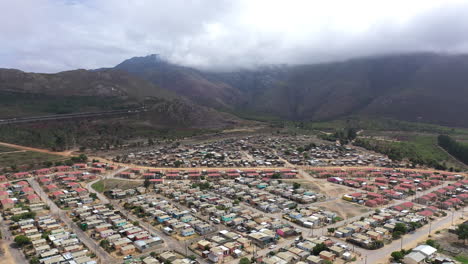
127,250
33,198
261,239
187,232
326,255
7,203
314,260
3,195
203,244
414,258
167,256
426,250
27,190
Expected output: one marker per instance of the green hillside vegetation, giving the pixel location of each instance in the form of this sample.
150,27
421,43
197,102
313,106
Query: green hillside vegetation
458,150
374,124
29,158
422,150
27,104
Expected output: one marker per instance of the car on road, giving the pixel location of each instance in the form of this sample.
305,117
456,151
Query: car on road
272,246
128,257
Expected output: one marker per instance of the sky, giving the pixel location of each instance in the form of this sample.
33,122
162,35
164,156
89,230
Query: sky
57,35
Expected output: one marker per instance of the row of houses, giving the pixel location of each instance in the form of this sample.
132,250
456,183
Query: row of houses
52,242
103,223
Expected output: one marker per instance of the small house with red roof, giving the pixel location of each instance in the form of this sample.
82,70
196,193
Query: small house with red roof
20,175
42,171
51,188
381,180
446,205
58,194
424,185
425,200
463,197
45,181
22,183
371,203
98,170
7,203
4,195
371,195
4,186
407,205
27,190
3,178
426,213
33,198
432,196
81,191
441,192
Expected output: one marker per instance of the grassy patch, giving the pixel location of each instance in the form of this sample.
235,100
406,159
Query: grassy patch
462,259
108,184
6,149
98,186
27,158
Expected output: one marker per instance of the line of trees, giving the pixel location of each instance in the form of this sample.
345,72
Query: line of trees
456,149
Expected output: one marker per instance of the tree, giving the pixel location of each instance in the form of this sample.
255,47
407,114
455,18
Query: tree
432,243
34,260
400,227
397,255
331,230
146,183
22,240
296,185
244,260
93,196
462,232
104,244
319,248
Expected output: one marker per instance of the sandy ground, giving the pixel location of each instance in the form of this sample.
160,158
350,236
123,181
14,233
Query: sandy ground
6,258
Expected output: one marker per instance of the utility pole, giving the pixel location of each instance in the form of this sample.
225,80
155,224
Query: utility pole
430,226
453,212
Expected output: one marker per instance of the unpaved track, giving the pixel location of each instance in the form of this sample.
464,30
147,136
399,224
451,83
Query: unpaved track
64,153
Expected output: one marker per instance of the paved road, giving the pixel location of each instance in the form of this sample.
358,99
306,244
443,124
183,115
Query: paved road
60,214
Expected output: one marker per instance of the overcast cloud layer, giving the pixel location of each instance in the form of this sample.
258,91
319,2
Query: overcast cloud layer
57,35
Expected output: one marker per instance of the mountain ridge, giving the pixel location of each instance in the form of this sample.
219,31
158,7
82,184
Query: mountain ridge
391,86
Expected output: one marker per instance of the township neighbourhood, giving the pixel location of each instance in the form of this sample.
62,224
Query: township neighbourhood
192,215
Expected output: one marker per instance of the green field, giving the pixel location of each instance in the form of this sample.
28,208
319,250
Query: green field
98,186
108,184
26,158
461,259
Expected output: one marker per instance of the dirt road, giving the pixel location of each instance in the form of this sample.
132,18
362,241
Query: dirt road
64,153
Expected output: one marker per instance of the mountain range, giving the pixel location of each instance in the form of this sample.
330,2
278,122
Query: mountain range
423,87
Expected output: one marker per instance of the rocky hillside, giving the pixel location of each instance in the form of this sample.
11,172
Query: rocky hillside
29,94
413,87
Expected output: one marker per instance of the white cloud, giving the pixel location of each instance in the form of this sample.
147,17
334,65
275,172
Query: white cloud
54,35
